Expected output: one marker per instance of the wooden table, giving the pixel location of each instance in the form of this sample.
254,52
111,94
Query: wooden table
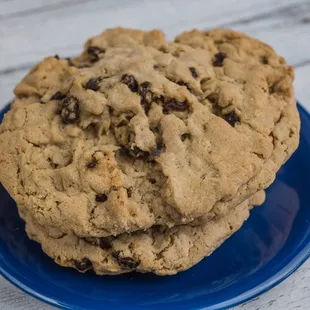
33,29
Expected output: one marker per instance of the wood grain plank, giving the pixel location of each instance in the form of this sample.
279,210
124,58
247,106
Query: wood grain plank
12,298
24,40
292,294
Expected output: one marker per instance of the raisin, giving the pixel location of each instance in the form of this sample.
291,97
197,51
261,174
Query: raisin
213,98
159,99
138,153
145,105
143,88
129,191
146,95
93,163
56,56
83,265
152,181
94,53
155,67
131,82
182,83
52,164
264,60
272,89
218,60
104,244
158,149
70,63
123,151
123,122
232,118
70,110
185,136
93,84
58,96
101,197
133,152
173,104
193,72
129,116
127,262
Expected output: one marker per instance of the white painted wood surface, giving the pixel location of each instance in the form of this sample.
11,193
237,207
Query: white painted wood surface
33,29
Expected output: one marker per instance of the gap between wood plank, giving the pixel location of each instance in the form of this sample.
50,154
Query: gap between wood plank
45,8
304,63
291,10
16,69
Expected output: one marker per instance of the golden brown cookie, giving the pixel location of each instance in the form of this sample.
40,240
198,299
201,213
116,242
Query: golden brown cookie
139,131
159,250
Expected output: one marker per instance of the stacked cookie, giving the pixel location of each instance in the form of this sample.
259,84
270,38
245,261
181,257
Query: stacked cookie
143,154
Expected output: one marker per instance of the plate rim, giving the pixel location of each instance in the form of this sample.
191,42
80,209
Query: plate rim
299,259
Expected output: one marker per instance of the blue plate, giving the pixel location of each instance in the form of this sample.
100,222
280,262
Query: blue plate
273,243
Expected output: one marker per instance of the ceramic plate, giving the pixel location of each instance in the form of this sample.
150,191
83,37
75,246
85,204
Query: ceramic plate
273,243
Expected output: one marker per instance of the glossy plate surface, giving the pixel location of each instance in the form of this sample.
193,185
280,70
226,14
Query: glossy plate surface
269,247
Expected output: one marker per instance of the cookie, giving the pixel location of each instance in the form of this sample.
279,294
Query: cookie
159,250
139,131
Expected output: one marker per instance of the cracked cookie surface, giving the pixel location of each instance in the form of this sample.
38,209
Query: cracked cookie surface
139,131
163,251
